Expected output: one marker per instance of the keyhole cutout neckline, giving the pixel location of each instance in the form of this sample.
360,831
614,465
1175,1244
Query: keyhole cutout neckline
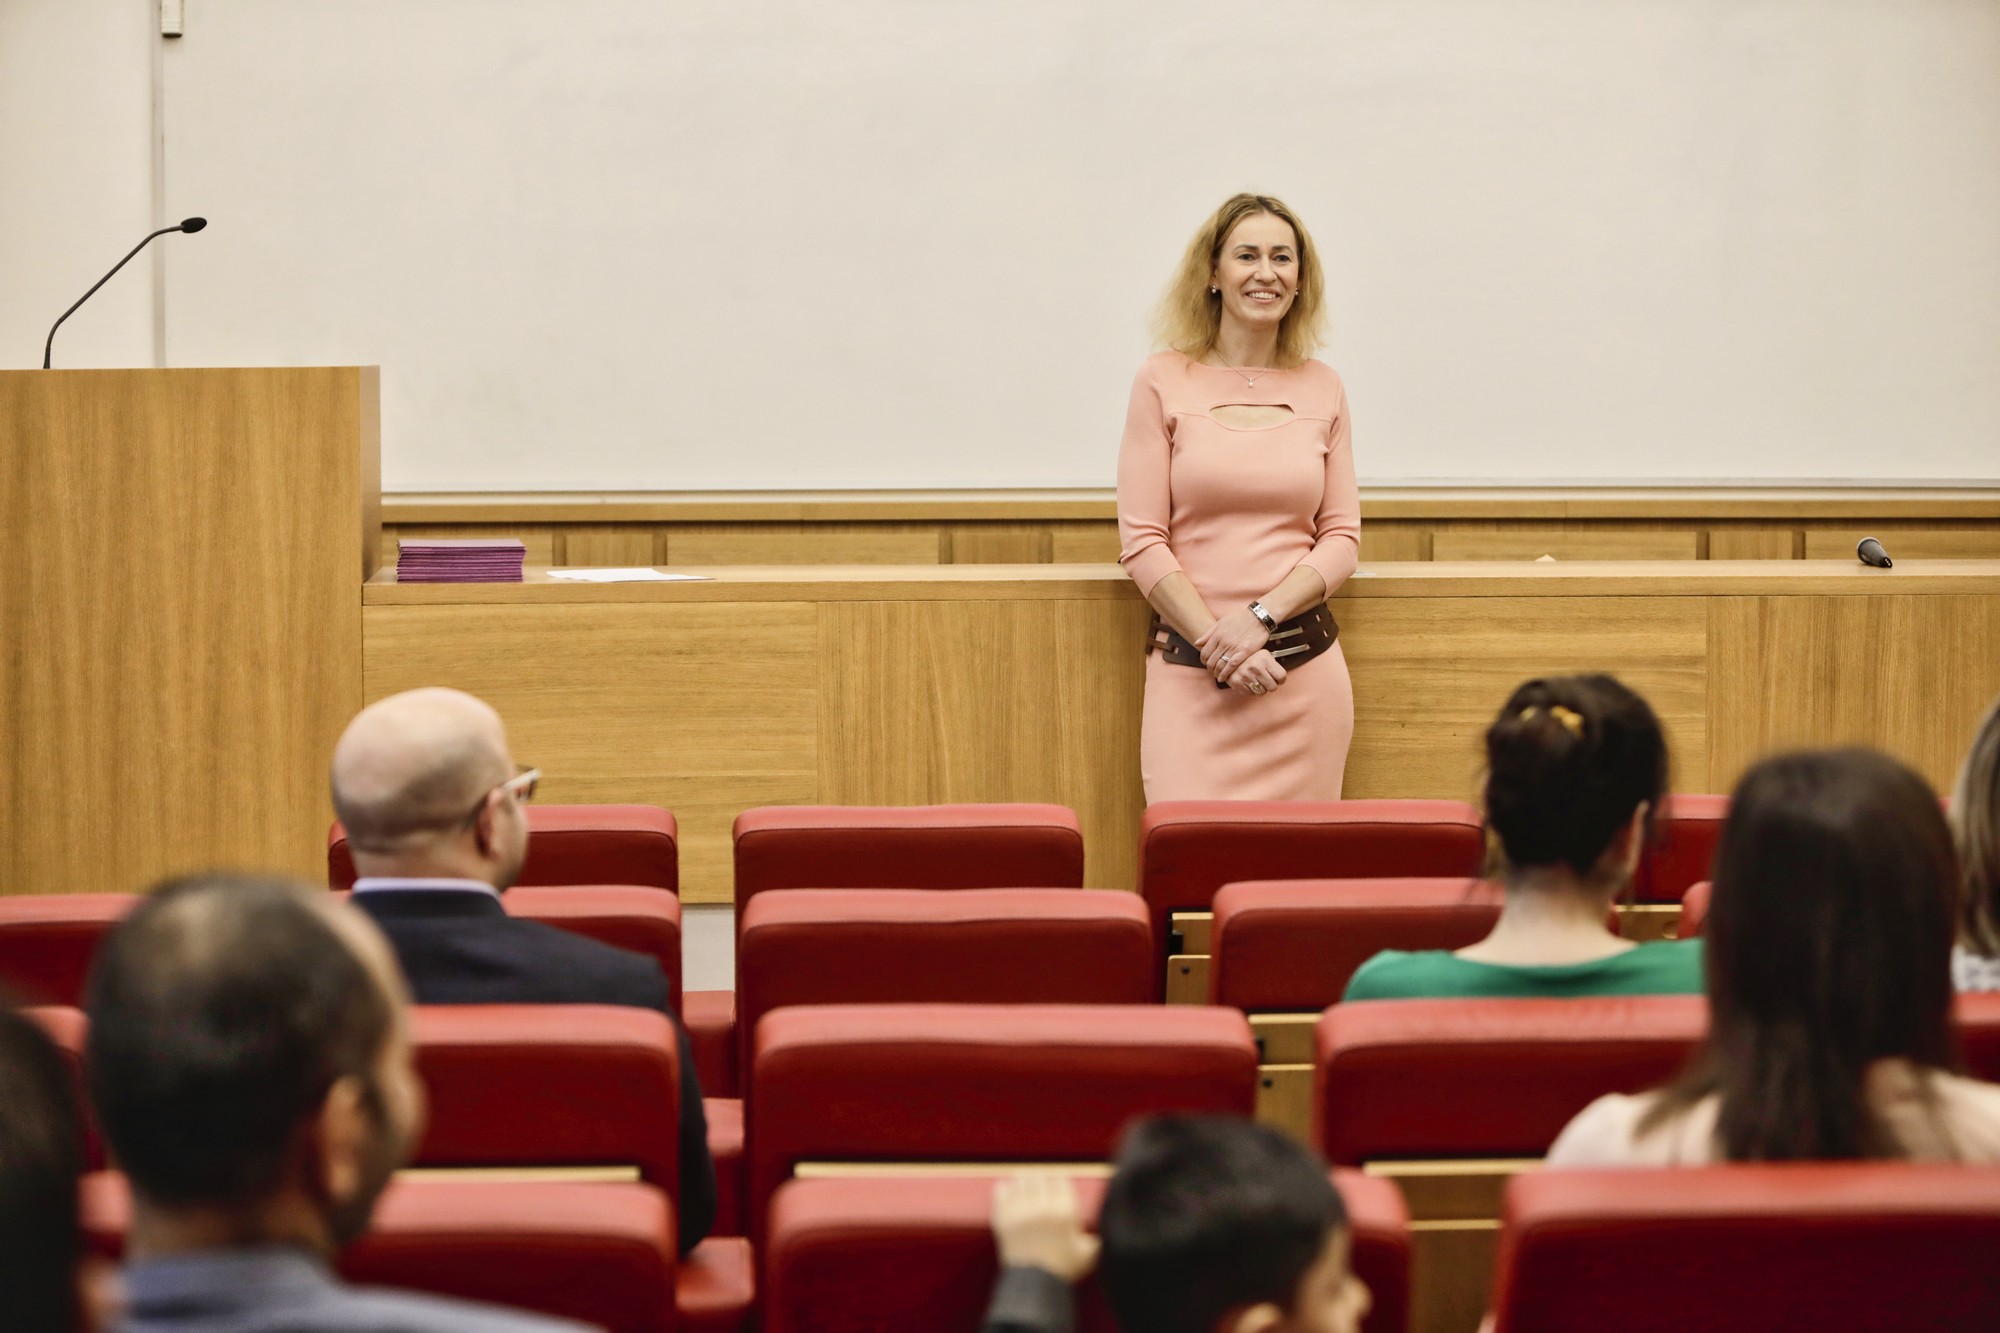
1252,416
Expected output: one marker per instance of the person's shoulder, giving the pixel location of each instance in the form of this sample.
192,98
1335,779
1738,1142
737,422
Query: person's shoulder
1603,1133
1319,374
381,1310
598,971
1396,974
1973,971
1670,966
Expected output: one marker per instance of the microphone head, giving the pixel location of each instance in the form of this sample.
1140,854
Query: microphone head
192,225
1870,552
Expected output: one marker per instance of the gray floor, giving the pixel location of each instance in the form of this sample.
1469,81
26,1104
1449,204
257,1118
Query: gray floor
708,947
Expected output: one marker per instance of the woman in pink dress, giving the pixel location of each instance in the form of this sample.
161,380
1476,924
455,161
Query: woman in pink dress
1237,517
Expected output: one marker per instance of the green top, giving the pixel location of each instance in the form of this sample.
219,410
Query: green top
1662,967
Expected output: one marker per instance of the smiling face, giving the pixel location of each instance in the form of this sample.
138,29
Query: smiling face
1257,272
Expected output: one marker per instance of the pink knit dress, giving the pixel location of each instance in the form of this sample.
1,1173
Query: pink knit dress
1237,510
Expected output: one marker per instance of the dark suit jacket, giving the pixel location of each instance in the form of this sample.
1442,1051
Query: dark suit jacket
461,947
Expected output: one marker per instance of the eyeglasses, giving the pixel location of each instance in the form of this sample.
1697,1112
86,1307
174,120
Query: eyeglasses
521,787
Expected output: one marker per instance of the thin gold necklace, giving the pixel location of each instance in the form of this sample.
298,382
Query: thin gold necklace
1249,380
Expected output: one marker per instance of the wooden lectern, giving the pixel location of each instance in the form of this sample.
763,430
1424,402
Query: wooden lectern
180,604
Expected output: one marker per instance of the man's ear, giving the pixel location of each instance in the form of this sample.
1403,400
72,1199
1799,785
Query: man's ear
340,1139
1252,1319
482,825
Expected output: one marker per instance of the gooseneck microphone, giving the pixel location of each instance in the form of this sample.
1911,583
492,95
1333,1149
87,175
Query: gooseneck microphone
1870,552
189,225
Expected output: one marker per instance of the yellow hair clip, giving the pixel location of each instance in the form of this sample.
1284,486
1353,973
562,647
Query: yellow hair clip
1571,720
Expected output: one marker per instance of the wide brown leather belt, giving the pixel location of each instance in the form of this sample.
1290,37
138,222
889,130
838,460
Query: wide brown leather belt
1295,641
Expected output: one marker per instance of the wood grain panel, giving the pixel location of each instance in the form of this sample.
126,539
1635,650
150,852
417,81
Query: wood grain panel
703,709
1521,542
1910,675
1084,543
804,544
614,544
1905,543
539,539
924,702
1755,543
1395,541
1429,674
998,544
180,605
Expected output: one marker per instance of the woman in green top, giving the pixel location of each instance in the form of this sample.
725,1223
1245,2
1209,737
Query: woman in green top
1575,767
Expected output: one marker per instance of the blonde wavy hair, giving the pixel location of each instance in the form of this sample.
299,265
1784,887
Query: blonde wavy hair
1189,318
1975,818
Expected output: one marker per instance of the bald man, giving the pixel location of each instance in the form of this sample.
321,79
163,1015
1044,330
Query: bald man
432,803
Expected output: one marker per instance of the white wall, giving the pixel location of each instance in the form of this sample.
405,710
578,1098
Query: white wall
76,179
787,243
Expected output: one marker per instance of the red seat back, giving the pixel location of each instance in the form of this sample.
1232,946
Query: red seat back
907,847
913,946
68,1029
1486,1078
624,916
1978,1018
550,1085
601,1254
1687,829
1847,1245
48,939
1189,849
1694,910
956,1083
573,844
1290,946
855,1256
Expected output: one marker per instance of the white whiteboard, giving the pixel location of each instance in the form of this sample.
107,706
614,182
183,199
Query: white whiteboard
708,244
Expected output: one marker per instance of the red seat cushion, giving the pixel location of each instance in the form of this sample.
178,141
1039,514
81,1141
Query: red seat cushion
710,1019
1486,1078
1289,946
48,939
573,844
1189,849
1021,1083
858,1255
1687,829
1848,1245
716,1290
624,916
907,847
550,1085
973,946
725,1148
602,1254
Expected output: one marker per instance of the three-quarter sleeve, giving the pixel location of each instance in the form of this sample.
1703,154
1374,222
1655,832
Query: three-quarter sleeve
1337,526
1145,493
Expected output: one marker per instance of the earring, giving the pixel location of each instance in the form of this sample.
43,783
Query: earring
1215,291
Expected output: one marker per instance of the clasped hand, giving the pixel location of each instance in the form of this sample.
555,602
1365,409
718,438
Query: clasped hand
1234,652
1036,1224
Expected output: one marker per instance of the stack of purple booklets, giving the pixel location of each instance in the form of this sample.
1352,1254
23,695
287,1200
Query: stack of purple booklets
464,560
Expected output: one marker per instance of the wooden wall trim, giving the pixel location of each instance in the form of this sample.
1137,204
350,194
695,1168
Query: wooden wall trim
1791,504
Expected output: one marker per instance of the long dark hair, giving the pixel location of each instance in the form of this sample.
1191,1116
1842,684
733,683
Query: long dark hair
1975,809
1568,761
1829,947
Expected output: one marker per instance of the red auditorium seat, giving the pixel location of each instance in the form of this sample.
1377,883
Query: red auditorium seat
1694,910
1486,1078
1290,946
624,916
574,844
48,939
1978,1017
859,1255
550,1085
1687,829
980,1083
906,847
1851,1246
1189,849
910,946
602,1254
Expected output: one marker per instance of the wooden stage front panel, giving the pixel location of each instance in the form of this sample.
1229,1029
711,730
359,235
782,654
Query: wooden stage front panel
919,684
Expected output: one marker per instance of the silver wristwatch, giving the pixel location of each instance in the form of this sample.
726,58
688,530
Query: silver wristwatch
1264,618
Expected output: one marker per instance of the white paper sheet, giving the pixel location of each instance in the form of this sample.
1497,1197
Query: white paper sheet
632,575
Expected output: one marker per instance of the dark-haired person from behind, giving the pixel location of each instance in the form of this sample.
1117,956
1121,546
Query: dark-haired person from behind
1975,816
432,803
1211,1224
1575,768
249,1058
1829,987
40,1159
